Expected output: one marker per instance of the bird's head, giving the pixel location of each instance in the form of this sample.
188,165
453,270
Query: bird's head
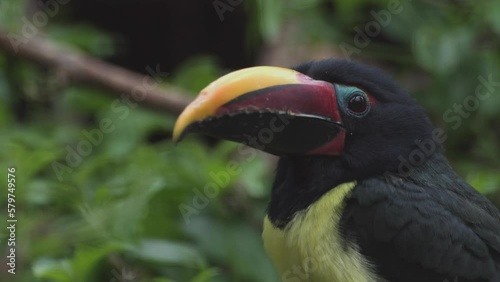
326,109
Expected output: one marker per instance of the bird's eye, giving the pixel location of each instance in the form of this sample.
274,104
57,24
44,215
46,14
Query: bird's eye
357,104
353,101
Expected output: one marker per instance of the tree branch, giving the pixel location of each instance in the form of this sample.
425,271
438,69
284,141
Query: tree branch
78,67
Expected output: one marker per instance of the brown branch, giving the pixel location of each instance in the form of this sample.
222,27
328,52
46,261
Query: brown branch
79,67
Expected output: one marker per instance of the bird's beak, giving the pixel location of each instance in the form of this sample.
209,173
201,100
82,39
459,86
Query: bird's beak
276,110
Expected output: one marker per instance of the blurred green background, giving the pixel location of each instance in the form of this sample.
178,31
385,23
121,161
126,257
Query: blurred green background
138,208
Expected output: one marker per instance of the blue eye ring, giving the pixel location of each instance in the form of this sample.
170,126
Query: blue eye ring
352,100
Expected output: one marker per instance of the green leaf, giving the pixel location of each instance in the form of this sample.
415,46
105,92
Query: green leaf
253,176
87,259
81,267
205,275
85,37
168,252
53,270
490,11
12,14
233,244
484,182
440,51
271,18
196,73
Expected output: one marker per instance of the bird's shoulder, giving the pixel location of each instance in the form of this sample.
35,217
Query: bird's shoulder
433,233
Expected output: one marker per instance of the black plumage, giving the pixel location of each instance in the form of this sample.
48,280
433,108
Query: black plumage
421,224
427,226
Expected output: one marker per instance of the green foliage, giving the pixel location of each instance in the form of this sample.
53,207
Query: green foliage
136,205
205,70
84,37
124,199
11,14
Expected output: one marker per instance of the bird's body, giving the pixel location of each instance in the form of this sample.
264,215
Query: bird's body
427,226
311,248
346,205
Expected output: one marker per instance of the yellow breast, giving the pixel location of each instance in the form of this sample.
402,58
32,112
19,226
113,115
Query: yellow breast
310,248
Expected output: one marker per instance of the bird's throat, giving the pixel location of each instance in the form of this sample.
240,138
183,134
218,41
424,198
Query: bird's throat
300,182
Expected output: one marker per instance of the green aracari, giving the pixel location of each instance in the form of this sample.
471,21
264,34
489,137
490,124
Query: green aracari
363,191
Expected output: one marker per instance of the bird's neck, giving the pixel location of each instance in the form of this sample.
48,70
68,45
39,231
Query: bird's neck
301,181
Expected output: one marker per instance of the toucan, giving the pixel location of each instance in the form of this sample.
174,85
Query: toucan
363,191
